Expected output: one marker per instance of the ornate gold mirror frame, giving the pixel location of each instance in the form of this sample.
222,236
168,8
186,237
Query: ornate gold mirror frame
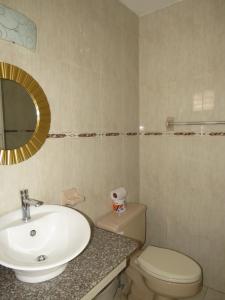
14,156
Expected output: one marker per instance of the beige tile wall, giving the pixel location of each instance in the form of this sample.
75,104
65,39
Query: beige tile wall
182,64
87,63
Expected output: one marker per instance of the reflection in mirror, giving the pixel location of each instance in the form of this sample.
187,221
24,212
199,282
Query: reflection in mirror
17,115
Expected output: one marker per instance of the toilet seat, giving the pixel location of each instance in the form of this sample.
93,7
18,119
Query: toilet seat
169,265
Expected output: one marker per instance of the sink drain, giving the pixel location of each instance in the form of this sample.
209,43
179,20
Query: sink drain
41,257
33,232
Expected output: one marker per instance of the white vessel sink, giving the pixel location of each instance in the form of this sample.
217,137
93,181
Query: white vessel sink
41,248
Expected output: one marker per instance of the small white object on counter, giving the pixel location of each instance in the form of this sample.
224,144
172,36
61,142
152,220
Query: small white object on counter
118,197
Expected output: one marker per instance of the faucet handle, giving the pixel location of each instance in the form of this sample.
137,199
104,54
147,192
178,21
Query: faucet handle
22,194
26,194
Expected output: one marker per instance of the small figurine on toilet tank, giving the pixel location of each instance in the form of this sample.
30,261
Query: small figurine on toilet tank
118,197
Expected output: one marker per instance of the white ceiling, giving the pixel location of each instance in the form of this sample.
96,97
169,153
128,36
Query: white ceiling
143,7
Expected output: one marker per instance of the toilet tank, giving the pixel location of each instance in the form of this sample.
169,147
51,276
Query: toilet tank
131,223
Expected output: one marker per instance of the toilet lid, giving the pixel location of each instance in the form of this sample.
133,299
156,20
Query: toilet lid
169,265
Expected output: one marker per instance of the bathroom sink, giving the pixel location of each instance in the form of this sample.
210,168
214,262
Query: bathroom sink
40,249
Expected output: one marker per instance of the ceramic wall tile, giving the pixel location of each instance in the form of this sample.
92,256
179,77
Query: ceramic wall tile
131,166
36,175
112,104
78,61
182,177
182,184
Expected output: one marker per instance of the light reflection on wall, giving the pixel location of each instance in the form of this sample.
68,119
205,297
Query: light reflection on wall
204,101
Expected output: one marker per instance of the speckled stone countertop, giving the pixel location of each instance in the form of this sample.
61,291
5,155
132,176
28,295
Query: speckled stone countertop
105,251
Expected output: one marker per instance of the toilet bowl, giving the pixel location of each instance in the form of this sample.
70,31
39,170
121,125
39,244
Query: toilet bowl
155,273
168,274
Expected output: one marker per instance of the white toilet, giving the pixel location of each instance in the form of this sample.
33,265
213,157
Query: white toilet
155,273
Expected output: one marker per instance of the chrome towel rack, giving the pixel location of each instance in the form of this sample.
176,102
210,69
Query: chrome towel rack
170,123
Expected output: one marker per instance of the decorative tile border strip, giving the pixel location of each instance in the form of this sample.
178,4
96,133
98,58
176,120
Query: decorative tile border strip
92,134
182,133
112,134
216,133
18,130
151,133
89,134
146,133
56,135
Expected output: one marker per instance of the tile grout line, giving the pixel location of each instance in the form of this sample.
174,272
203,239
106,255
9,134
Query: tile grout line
204,296
216,291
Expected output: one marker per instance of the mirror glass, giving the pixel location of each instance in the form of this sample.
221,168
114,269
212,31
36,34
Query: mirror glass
18,116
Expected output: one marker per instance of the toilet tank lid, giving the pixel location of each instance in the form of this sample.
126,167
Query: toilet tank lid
115,222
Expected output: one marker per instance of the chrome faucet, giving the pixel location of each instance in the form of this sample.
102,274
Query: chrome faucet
26,202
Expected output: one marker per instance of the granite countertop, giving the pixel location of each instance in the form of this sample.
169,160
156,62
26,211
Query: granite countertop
105,251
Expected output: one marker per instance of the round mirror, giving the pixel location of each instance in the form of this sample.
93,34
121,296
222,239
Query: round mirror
24,115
